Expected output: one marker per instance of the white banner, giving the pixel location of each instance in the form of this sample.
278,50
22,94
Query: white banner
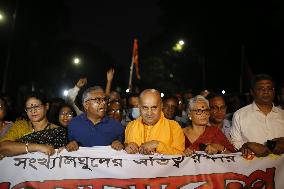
102,167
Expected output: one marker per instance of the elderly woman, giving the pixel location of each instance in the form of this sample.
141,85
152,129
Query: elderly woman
201,137
4,125
35,135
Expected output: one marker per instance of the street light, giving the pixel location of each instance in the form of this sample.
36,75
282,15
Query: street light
76,60
1,17
178,46
201,59
65,92
181,42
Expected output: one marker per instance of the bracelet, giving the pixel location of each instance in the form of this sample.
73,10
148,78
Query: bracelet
27,147
223,150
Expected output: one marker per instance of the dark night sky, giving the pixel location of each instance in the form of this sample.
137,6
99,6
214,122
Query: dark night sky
112,25
215,30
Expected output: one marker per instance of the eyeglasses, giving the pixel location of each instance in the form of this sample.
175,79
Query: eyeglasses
200,111
218,108
98,100
33,108
68,114
265,89
114,111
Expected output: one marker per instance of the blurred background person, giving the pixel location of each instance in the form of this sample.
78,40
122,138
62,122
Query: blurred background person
53,105
111,94
65,113
72,94
132,112
281,98
218,110
187,95
170,107
12,111
205,93
4,124
114,110
181,116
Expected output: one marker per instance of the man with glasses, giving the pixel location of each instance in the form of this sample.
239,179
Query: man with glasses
152,132
93,128
218,110
259,127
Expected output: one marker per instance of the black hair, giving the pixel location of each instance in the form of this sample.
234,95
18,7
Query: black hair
114,101
37,95
214,95
5,106
260,77
4,102
130,95
62,105
165,98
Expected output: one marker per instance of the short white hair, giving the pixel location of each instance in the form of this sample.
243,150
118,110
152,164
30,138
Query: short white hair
194,100
86,93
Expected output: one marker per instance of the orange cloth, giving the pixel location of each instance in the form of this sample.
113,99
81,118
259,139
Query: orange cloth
167,132
19,129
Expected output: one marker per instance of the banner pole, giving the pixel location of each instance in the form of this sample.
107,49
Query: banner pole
130,75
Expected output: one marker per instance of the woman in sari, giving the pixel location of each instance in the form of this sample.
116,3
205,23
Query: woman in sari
199,136
37,134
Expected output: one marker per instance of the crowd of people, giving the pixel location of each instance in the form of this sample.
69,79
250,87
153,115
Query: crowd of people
147,123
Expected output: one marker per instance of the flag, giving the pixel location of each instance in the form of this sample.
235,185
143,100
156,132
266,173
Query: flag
135,58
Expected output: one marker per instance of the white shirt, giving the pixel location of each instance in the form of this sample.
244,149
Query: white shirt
72,93
71,96
251,125
226,129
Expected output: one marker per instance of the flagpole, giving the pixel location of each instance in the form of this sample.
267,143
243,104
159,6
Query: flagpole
130,75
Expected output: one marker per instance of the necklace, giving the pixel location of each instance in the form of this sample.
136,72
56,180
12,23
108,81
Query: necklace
47,125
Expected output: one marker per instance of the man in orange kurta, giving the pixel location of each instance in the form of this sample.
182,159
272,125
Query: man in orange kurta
152,132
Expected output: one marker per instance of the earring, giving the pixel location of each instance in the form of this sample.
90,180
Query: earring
189,118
